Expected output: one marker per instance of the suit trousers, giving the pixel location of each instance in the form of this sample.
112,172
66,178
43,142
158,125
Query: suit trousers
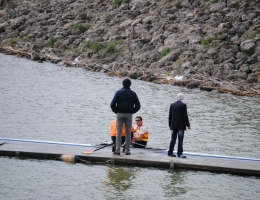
122,118
180,134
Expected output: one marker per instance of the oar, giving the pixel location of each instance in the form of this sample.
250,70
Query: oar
92,151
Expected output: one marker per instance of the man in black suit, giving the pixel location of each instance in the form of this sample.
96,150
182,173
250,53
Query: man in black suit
178,121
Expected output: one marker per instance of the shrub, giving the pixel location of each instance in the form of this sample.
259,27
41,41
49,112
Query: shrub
26,37
14,40
206,7
248,51
252,36
81,27
178,4
207,40
51,41
110,48
163,53
214,1
95,46
117,2
87,44
179,61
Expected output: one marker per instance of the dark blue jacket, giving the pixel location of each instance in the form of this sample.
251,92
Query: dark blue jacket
125,101
178,117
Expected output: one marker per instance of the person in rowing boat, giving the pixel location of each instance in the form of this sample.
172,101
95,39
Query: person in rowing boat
124,103
178,121
140,138
113,132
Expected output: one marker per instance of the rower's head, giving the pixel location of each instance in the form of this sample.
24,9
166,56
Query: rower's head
138,120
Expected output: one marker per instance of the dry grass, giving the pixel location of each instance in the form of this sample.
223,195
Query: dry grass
252,93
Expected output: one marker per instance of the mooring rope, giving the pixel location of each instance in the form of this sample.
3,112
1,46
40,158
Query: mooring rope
2,143
75,159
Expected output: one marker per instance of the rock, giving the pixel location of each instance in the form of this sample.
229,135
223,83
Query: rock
247,46
208,85
2,29
193,84
206,39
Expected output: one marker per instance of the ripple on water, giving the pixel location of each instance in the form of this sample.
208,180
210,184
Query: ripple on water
41,101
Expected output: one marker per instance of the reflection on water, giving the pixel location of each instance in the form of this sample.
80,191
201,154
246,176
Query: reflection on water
173,187
35,179
119,178
40,101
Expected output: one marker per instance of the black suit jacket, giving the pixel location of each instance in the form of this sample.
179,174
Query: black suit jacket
178,117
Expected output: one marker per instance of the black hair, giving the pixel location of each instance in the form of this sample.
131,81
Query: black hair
139,117
126,82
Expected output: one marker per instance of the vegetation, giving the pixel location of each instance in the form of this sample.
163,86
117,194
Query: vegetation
178,4
108,15
51,41
14,40
163,53
179,61
206,7
248,51
117,2
87,44
252,36
194,54
214,1
207,40
95,45
108,48
81,27
26,37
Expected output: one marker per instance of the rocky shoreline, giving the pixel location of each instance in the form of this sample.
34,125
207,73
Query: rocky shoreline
211,45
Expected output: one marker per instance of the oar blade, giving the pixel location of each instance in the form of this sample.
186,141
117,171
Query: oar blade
88,152
92,151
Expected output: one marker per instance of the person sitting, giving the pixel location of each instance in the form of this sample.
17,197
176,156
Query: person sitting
113,132
140,139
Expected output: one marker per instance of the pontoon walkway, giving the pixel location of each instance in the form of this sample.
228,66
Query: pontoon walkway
139,157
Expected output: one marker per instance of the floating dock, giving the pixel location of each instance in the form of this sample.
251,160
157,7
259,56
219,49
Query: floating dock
147,157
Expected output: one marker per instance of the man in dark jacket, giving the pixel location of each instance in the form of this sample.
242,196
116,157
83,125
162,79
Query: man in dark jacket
178,121
125,103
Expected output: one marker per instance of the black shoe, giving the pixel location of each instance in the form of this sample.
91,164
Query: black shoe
181,156
128,153
172,155
117,153
123,150
113,149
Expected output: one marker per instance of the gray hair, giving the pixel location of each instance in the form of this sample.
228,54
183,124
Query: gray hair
180,96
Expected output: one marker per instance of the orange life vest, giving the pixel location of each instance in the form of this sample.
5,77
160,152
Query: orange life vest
113,129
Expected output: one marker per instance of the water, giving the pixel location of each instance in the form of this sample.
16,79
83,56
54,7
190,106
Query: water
42,101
